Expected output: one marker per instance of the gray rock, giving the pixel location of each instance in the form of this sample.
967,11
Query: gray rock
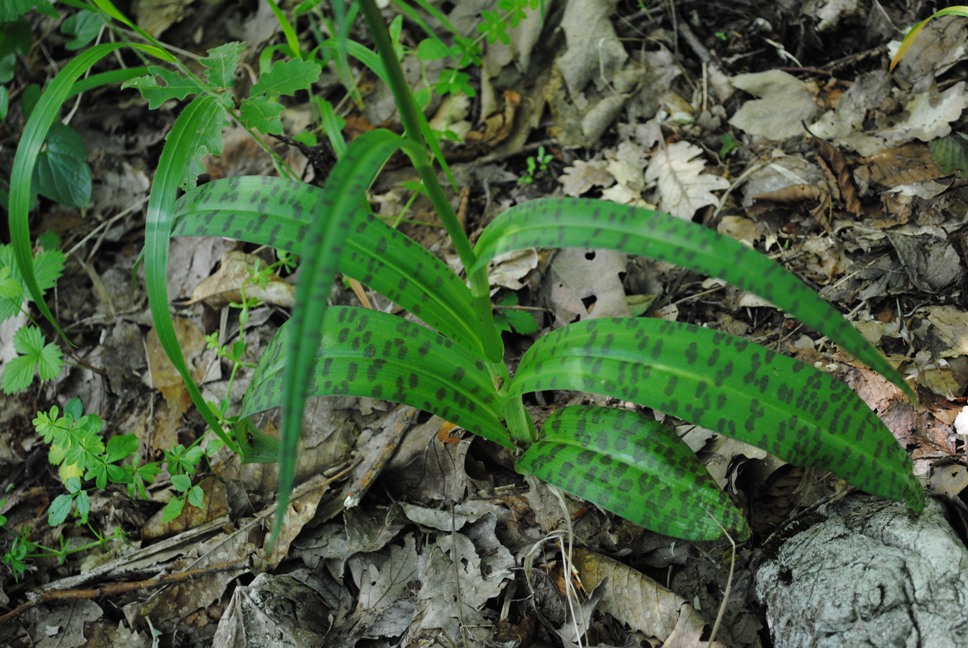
872,574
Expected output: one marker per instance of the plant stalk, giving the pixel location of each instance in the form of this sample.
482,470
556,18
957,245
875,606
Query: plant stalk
519,423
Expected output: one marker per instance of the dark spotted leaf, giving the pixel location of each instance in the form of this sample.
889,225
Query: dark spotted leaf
558,223
276,212
729,385
635,467
369,353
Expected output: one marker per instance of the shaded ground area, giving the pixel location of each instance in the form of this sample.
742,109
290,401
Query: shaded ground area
775,123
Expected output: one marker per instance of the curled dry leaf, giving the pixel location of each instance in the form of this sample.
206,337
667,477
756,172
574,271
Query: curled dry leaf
637,600
236,274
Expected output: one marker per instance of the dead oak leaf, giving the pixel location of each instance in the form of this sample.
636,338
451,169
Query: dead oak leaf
682,187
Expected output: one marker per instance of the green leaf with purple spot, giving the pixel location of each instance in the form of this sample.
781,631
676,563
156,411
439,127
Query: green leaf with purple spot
635,467
277,212
731,386
583,223
368,353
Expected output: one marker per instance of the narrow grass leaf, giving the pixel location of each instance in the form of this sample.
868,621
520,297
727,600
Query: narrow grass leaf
729,385
197,129
635,467
583,223
277,212
35,131
331,218
369,353
912,35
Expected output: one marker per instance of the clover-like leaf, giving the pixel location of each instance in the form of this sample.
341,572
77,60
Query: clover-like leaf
36,356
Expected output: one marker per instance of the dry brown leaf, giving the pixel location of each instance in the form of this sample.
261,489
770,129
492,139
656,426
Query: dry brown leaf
901,165
235,275
838,175
163,377
582,176
682,186
214,506
637,600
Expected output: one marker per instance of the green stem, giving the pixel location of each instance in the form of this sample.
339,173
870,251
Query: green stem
415,128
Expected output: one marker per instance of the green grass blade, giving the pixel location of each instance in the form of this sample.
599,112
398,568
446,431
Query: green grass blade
330,226
370,353
558,223
190,136
635,467
21,174
276,212
912,35
729,385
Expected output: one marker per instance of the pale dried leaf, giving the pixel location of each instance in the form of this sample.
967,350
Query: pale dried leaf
637,600
579,277
928,115
235,275
274,610
508,269
593,48
62,626
784,104
458,580
682,187
582,176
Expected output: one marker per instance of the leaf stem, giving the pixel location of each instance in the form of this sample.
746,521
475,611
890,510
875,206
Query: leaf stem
410,117
519,423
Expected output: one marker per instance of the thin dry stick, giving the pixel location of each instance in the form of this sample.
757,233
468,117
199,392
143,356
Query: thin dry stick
729,586
114,589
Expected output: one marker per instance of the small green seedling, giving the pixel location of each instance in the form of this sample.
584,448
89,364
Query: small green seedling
536,163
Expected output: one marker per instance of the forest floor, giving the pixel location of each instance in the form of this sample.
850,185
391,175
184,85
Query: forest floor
775,123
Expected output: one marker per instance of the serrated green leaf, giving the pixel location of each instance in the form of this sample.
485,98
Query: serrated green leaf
221,62
181,483
35,356
731,386
48,267
262,113
10,288
121,446
59,509
369,353
172,509
18,373
62,173
28,340
84,27
584,223
161,85
286,78
277,212
49,362
951,154
635,467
